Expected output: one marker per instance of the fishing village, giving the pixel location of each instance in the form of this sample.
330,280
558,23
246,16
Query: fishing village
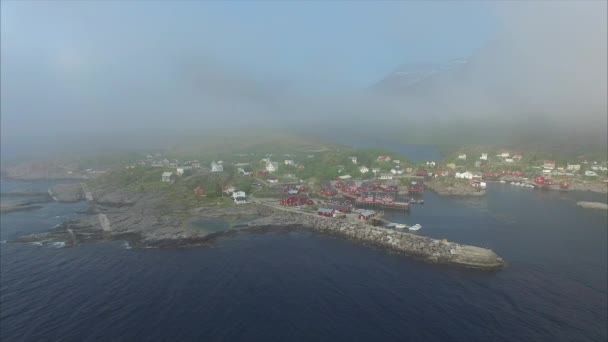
158,200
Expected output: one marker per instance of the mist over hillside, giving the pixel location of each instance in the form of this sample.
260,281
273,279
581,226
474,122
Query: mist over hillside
539,79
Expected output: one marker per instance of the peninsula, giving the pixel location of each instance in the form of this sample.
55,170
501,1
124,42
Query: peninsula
121,215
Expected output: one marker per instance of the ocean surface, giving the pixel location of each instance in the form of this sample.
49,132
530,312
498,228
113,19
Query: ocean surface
300,286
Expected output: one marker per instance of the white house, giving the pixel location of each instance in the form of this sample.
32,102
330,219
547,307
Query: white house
549,164
462,156
397,171
353,159
363,169
345,177
386,176
573,167
289,162
196,164
397,161
216,167
478,163
464,175
179,171
599,168
503,154
239,197
509,160
167,177
430,163
484,156
590,173
375,170
272,166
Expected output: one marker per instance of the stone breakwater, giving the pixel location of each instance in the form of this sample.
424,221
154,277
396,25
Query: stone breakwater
593,205
428,249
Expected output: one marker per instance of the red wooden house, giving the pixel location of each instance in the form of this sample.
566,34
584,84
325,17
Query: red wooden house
200,192
326,212
366,215
291,201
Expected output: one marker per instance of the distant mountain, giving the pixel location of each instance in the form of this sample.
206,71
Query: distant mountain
415,77
504,92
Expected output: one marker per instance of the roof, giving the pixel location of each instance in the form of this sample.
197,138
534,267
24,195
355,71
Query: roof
167,174
367,212
326,211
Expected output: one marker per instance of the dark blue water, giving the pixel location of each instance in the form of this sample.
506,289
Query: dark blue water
301,286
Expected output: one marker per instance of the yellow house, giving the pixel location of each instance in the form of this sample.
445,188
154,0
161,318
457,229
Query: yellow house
451,166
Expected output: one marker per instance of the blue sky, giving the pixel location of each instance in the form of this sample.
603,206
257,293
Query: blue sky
348,43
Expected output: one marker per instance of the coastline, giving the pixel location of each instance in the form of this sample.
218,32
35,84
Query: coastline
133,217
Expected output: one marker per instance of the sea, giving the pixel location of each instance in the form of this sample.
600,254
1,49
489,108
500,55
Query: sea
302,286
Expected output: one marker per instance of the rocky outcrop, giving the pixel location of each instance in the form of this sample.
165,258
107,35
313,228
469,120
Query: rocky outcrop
66,192
32,170
22,201
451,187
12,206
593,205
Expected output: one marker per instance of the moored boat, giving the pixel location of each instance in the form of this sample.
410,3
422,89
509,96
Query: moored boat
415,227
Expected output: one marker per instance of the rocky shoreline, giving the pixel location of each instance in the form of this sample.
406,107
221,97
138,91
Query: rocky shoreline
135,217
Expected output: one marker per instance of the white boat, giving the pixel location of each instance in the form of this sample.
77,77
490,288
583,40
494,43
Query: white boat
502,181
400,226
415,227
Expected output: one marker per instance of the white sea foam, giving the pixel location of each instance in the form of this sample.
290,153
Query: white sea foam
59,244
126,245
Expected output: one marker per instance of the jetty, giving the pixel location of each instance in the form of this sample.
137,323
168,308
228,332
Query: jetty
422,247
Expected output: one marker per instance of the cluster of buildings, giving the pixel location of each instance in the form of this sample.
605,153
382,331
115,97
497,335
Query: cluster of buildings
550,167
362,214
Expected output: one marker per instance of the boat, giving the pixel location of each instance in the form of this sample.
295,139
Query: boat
400,226
502,181
415,227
